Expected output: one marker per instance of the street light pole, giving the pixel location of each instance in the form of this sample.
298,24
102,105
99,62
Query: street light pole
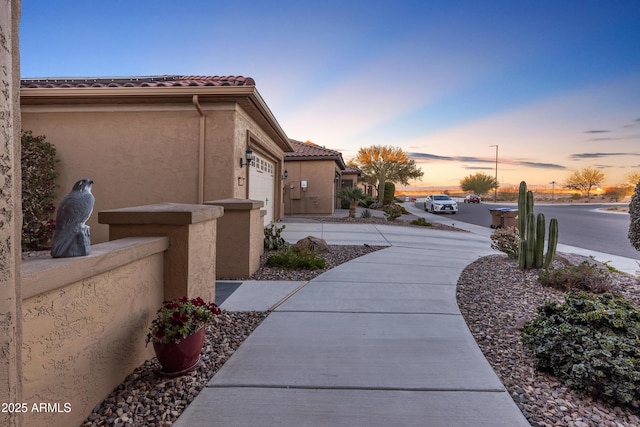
553,191
495,189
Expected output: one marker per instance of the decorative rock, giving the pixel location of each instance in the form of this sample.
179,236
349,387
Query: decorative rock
312,244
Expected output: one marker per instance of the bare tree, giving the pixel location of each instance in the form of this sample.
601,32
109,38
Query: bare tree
584,180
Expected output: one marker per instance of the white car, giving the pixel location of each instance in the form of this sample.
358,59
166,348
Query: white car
436,203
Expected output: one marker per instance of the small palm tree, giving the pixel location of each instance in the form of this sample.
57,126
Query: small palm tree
354,195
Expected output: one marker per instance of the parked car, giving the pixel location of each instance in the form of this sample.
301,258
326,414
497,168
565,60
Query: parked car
472,198
435,203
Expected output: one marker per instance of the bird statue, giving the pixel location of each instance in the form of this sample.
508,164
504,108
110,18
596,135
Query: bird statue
71,237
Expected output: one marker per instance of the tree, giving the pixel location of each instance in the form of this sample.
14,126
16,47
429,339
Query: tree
633,178
634,213
479,183
354,195
382,163
584,180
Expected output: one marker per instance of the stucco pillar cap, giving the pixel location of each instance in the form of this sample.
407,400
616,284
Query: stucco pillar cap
161,213
237,204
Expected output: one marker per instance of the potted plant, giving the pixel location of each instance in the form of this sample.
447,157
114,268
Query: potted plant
177,333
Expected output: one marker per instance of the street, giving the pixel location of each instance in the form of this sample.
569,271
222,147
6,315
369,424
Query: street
583,226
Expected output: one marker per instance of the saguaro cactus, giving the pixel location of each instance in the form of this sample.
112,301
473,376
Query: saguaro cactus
532,231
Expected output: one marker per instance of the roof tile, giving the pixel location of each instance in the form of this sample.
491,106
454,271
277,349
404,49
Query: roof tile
148,81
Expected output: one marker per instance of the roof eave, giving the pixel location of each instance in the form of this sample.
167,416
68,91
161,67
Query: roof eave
147,94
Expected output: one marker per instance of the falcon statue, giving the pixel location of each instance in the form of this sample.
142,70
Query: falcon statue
71,237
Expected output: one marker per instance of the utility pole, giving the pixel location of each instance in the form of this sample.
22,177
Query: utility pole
495,189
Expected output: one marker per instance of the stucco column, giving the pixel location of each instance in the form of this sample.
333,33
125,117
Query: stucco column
190,261
10,214
240,239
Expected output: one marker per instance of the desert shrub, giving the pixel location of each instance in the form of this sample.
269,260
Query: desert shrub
591,343
38,163
582,277
375,205
392,212
294,260
272,238
506,240
365,214
368,202
634,213
421,222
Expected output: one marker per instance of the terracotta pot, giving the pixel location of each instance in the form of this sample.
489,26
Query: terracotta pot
178,359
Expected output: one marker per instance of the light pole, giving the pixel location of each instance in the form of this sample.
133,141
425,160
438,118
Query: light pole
495,189
553,191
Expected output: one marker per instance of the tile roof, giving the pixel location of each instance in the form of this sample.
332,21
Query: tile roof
144,81
310,151
352,170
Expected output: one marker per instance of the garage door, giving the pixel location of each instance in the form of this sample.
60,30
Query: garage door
261,184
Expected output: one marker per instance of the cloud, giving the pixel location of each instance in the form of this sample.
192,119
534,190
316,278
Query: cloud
579,156
465,159
427,156
596,131
482,168
539,165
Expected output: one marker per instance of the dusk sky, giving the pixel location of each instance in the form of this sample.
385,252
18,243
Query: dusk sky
555,84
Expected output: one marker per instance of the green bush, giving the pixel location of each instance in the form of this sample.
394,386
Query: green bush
272,238
421,222
506,240
592,344
38,162
294,260
582,277
392,212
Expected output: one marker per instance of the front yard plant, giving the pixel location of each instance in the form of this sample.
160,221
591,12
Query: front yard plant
506,240
296,260
272,238
585,276
592,344
39,174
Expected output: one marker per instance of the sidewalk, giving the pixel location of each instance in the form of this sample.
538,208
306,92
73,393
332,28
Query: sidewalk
377,341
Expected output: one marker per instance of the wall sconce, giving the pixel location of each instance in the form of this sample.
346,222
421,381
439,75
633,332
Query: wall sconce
240,181
248,156
285,175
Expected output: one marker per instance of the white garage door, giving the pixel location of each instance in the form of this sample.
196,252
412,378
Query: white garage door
261,184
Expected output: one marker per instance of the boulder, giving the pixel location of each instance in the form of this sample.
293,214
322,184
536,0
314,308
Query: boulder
311,244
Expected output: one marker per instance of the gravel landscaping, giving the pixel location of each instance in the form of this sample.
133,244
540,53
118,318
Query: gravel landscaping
494,296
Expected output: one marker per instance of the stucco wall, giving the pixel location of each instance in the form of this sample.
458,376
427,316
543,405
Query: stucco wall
134,157
319,198
81,339
143,154
10,213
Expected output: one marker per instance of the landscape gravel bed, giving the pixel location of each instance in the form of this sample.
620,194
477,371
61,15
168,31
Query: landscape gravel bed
149,398
496,298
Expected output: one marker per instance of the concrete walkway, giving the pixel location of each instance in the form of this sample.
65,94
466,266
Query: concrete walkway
377,341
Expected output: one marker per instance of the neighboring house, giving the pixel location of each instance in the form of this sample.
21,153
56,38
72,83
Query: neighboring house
350,177
146,140
313,178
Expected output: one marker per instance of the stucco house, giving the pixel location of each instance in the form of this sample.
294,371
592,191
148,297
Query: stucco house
313,177
170,138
